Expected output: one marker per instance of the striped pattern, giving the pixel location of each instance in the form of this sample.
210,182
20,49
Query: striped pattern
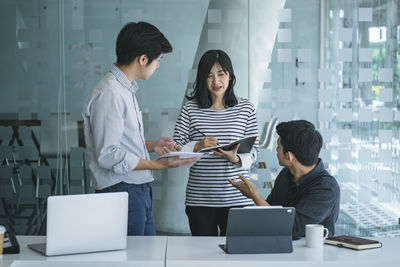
207,185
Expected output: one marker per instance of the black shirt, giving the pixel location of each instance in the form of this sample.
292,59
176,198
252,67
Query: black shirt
316,197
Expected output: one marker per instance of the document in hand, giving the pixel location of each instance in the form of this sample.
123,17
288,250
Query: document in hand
245,145
353,242
185,155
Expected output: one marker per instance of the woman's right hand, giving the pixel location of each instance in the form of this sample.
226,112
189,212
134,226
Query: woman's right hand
208,141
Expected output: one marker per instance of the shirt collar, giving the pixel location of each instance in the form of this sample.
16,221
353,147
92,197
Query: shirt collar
312,174
123,80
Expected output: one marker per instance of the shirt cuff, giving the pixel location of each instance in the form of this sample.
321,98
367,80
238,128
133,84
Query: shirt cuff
127,164
246,160
189,147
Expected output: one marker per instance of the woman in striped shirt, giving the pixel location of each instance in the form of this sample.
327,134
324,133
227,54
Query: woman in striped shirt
215,116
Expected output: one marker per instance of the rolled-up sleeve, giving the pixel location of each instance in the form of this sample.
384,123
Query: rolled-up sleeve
251,130
181,131
107,126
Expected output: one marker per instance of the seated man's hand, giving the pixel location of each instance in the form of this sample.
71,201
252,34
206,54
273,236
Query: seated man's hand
246,187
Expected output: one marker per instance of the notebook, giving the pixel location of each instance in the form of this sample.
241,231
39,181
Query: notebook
246,144
85,223
10,245
352,242
259,230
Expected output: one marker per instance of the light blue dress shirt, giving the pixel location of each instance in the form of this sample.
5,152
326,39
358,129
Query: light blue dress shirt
114,135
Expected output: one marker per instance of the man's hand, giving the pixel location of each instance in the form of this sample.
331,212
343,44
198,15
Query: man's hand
245,186
248,189
163,163
208,141
173,162
165,145
230,155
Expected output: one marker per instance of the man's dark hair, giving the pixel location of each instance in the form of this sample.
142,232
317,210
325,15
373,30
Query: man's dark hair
201,93
140,38
302,139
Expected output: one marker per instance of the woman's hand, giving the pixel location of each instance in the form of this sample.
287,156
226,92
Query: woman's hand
230,155
208,141
165,145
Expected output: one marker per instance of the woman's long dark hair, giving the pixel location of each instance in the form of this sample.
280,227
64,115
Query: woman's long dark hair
200,92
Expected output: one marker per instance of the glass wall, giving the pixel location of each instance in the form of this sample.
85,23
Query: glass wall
359,113
332,62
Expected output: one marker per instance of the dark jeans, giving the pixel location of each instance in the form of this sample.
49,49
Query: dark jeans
140,211
205,221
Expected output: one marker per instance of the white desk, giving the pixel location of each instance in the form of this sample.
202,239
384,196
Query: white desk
204,251
141,251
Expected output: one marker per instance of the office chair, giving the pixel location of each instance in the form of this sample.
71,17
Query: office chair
57,135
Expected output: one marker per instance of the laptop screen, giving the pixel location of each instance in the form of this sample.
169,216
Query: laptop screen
86,223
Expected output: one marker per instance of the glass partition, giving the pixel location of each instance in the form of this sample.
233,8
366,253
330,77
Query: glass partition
361,118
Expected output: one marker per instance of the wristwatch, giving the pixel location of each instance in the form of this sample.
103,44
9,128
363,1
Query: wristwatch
239,161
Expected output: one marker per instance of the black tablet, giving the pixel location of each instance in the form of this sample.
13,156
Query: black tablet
259,230
246,144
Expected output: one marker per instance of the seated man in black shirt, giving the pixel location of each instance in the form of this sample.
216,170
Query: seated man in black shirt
303,183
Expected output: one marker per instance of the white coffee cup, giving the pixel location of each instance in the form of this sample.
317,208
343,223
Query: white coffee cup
315,235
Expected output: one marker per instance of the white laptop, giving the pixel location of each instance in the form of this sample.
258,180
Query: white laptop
85,223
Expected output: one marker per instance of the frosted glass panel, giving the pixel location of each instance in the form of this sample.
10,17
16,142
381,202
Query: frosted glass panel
345,115
344,136
364,155
345,34
324,75
385,115
365,115
345,95
385,136
284,35
214,15
304,75
284,55
365,54
214,36
304,54
386,74
386,94
365,75
345,55
285,15
325,94
325,114
365,14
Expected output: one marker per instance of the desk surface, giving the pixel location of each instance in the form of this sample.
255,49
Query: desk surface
141,251
204,251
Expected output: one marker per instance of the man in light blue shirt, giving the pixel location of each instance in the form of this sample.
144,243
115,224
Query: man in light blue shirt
117,150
